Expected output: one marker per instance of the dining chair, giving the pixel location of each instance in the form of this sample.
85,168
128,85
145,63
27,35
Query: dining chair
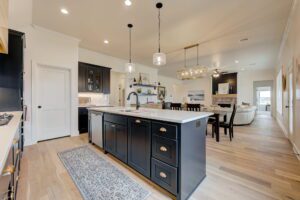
193,107
229,125
176,106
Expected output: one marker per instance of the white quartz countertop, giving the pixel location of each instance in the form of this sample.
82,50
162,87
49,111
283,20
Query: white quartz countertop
156,114
7,134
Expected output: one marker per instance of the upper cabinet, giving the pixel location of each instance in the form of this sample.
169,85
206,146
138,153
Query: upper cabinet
92,78
4,26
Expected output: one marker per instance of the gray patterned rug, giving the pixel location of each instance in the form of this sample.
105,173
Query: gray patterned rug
97,179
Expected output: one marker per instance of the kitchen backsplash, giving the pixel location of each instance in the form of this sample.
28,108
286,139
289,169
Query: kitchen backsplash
93,99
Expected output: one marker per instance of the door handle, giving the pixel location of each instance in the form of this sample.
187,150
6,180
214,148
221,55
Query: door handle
39,107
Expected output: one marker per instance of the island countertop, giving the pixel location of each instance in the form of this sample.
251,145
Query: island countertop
7,133
174,116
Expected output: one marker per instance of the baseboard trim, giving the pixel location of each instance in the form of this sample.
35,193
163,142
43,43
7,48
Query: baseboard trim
296,150
281,125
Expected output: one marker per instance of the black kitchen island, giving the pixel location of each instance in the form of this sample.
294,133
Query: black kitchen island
166,146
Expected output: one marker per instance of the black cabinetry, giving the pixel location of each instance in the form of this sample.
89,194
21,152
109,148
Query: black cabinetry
93,78
83,120
115,136
139,145
11,73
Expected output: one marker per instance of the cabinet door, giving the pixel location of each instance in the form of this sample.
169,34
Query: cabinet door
90,77
106,81
109,137
139,140
81,77
121,143
97,80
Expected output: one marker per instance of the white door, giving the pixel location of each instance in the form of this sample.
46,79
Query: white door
291,104
52,102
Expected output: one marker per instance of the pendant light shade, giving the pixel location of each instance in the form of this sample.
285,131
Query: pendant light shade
159,58
130,67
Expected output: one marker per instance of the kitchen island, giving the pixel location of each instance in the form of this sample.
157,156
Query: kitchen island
166,146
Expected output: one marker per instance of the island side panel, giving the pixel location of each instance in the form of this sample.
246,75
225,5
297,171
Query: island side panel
192,156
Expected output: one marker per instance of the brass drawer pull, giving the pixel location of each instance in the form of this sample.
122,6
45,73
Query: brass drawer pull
138,121
163,149
15,141
18,152
9,170
163,130
163,175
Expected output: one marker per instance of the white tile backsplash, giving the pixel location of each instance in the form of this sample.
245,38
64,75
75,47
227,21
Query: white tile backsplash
96,99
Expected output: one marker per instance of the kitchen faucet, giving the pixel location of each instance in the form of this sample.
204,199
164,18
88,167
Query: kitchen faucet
137,99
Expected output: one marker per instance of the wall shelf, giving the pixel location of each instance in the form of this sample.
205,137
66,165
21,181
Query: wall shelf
143,94
144,85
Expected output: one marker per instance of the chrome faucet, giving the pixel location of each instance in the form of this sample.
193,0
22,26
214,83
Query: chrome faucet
137,99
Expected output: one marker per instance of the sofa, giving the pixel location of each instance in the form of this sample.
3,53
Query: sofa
244,115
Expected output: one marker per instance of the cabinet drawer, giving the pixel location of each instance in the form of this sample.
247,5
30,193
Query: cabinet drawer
164,175
164,130
117,119
165,150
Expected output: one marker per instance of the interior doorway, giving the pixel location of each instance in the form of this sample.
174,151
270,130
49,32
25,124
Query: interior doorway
290,105
51,96
263,95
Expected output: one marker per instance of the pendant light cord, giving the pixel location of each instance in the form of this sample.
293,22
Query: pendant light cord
129,45
198,55
184,58
159,30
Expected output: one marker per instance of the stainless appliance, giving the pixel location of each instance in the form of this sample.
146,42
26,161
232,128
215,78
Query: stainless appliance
96,128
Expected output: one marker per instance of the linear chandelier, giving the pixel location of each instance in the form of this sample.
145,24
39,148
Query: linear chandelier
193,72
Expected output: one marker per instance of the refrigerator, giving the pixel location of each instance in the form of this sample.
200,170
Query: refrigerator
11,76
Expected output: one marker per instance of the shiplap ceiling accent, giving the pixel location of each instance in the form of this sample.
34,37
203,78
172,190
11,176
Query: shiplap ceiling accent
217,25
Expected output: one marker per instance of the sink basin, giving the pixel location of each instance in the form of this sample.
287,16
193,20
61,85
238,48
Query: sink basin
130,110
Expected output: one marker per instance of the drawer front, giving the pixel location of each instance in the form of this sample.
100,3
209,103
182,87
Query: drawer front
164,175
164,130
165,150
117,119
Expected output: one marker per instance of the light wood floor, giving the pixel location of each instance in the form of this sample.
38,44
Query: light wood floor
258,164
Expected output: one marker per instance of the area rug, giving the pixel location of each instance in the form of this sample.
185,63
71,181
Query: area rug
97,179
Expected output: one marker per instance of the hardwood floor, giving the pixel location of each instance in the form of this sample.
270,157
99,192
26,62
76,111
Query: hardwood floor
258,164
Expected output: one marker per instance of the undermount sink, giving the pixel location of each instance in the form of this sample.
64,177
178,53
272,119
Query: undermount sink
130,110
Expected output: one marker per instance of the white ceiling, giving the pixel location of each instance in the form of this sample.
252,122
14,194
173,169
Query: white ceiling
218,25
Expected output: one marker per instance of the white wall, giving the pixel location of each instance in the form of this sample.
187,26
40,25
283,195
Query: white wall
288,56
198,84
173,88
245,84
44,47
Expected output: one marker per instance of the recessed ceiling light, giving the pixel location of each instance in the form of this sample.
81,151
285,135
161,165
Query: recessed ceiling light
106,41
236,61
64,11
127,2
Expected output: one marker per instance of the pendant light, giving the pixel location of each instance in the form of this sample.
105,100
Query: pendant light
159,58
130,67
